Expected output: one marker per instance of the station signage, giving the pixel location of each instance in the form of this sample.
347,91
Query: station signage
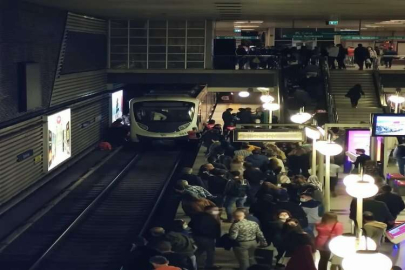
237,37
318,34
356,37
268,135
332,22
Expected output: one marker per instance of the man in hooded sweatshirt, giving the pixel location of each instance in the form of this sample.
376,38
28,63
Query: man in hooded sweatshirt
374,229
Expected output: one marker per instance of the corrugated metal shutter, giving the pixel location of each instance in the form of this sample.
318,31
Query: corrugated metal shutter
86,128
73,86
17,176
86,24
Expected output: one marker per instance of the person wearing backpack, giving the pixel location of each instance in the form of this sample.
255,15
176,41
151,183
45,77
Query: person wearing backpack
236,191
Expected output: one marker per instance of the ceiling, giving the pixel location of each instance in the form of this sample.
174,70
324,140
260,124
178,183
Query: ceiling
234,9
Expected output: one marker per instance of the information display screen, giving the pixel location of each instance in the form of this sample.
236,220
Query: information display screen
397,234
117,105
59,138
386,125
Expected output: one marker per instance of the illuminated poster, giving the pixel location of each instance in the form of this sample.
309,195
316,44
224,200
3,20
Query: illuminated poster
117,105
59,138
358,139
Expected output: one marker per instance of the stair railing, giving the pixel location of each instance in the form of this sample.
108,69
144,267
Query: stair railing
381,97
330,99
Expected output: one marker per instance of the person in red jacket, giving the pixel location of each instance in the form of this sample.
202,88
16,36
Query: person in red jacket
161,263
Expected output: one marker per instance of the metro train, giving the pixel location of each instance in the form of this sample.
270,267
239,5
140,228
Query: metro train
170,114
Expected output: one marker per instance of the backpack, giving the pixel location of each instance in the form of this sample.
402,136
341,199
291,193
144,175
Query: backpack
238,189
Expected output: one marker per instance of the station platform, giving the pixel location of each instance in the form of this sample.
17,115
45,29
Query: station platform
339,205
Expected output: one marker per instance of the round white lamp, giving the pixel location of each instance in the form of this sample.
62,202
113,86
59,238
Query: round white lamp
266,98
328,148
354,178
370,260
345,245
300,117
271,106
312,133
396,99
244,94
362,189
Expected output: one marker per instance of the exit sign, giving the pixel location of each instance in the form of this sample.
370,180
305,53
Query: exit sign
333,22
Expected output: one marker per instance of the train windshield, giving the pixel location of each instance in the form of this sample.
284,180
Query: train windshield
164,111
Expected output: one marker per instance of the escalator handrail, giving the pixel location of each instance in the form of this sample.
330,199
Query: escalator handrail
379,87
330,99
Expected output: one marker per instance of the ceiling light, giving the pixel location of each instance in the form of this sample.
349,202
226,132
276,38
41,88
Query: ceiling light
363,28
244,94
328,148
271,106
241,22
365,259
248,26
256,21
312,133
248,29
301,117
353,178
362,189
266,98
345,245
263,88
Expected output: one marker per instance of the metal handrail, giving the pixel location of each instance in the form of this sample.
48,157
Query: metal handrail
330,99
380,90
84,214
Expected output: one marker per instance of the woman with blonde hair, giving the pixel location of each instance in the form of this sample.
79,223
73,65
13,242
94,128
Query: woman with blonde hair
237,164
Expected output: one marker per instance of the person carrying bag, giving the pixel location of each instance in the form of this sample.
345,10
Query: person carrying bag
328,228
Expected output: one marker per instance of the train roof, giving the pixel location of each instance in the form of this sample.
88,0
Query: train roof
172,90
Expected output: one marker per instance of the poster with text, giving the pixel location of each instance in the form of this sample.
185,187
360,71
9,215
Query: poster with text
59,138
358,139
117,105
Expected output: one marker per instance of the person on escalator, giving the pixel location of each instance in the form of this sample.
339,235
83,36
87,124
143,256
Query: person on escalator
355,94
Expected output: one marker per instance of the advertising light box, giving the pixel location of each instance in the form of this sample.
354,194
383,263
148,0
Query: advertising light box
358,139
59,138
117,99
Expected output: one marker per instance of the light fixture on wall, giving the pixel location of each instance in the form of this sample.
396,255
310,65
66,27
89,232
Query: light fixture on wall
246,93
271,106
266,98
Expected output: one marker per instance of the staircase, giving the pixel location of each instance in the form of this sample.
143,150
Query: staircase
340,82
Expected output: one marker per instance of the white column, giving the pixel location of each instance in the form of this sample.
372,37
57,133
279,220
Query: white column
270,36
313,168
326,200
337,39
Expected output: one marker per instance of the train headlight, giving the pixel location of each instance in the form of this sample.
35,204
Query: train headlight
183,126
142,126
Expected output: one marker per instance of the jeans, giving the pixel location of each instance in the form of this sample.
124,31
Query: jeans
228,204
245,254
323,261
205,245
401,165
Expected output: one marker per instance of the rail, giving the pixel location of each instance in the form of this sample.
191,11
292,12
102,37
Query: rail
84,214
380,91
330,100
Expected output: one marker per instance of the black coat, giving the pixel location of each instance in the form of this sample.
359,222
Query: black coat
139,258
361,54
295,210
205,225
254,176
393,201
379,209
227,117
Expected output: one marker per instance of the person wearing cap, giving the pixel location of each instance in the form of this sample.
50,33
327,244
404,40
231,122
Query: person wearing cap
161,263
361,158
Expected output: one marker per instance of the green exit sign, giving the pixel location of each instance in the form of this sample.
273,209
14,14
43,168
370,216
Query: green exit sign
333,22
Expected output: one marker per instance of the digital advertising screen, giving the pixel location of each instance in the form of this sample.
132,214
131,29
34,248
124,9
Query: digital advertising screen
59,138
358,139
388,125
117,105
397,234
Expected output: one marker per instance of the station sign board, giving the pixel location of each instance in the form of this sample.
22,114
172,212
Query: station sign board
356,37
58,138
318,34
237,37
268,135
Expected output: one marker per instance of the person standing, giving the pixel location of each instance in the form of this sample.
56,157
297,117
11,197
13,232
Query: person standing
235,192
245,233
389,57
360,56
327,229
227,117
355,94
393,201
341,56
374,229
333,53
206,228
399,154
241,55
361,158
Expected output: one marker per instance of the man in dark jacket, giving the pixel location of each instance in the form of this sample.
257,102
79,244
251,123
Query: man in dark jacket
255,177
140,255
360,55
257,159
175,259
206,229
393,201
379,209
227,117
217,184
180,243
361,159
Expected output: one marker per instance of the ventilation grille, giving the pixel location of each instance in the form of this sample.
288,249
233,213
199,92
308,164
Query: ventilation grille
229,10
81,23
17,176
73,86
89,122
